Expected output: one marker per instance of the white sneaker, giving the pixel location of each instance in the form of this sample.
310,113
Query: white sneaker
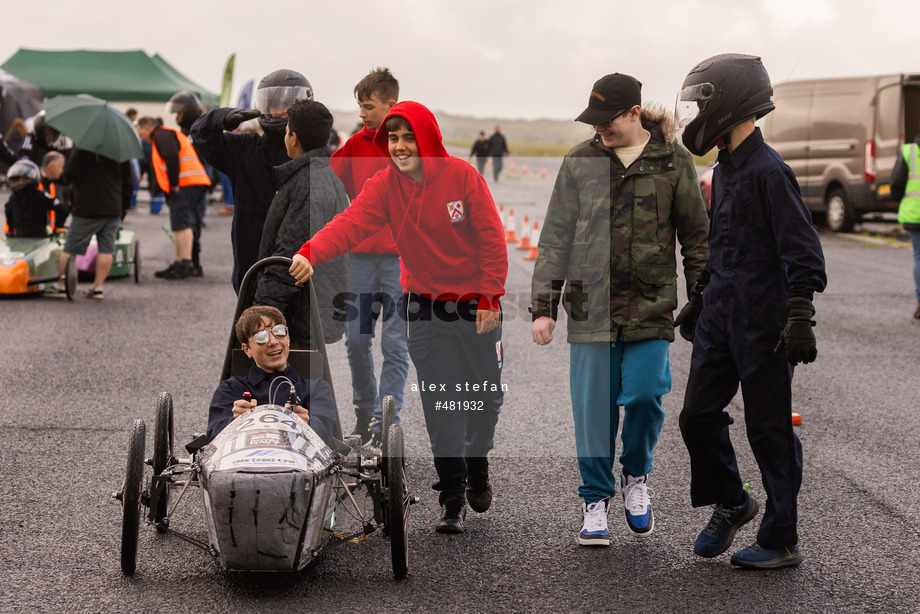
636,494
594,524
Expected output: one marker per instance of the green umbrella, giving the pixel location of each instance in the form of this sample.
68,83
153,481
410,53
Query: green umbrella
94,126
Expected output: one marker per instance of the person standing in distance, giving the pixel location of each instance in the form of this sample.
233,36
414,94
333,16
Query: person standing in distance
905,188
498,148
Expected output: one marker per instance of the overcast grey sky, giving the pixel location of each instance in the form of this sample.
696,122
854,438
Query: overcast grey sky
505,58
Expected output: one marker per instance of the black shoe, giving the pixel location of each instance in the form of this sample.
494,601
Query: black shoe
173,271
194,271
362,426
720,531
478,485
453,512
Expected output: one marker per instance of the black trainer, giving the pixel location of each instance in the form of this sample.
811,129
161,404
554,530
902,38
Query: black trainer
720,531
173,271
453,512
478,485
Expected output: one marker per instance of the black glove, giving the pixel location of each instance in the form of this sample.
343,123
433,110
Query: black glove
798,338
688,316
235,117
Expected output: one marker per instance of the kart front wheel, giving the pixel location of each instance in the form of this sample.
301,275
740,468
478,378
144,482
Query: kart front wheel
137,261
389,418
70,277
164,433
398,502
131,498
163,437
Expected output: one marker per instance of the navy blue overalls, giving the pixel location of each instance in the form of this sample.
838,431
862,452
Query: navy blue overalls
763,250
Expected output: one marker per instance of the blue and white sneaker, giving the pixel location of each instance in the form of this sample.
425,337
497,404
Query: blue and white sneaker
594,524
639,517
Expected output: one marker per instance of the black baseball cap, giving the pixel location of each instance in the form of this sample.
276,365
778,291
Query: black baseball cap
610,96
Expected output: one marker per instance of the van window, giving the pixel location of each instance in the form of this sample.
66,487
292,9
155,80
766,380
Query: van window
911,126
889,105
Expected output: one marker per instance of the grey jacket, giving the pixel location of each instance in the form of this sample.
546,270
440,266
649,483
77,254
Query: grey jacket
309,195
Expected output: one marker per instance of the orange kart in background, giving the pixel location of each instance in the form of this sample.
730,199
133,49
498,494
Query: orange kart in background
30,266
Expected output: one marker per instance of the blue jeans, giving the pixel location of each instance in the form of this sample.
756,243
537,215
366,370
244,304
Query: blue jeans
604,376
373,274
915,241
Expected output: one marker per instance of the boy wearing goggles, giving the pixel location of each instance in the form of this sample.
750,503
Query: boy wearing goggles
263,334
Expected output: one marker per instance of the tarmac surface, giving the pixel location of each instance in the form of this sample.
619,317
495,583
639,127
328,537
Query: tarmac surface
76,374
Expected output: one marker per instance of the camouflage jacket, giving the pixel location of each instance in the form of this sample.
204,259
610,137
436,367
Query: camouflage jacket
607,247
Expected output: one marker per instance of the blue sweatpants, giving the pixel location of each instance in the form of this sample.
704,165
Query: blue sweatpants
603,377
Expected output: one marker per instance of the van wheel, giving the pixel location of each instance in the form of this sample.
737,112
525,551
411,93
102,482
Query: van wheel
840,216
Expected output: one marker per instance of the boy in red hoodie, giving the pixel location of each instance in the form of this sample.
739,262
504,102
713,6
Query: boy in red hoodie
375,270
454,264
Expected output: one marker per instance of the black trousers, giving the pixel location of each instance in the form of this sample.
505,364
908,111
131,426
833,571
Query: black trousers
717,368
459,379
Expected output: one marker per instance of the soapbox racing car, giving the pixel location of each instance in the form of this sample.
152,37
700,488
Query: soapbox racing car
274,493
30,266
125,261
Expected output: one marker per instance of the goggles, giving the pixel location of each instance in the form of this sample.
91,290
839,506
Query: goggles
279,331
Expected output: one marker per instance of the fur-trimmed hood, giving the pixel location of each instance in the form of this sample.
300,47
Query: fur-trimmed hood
662,118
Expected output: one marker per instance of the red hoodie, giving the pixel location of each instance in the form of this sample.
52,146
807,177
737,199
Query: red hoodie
446,227
354,163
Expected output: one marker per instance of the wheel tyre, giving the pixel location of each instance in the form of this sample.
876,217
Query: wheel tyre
389,418
839,214
70,277
398,503
131,498
163,438
137,261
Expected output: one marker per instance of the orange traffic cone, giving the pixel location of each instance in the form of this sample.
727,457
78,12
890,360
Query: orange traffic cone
796,419
524,169
501,215
512,168
542,171
525,235
534,242
510,232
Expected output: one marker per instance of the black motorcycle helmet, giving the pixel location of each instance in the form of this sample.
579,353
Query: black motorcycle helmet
720,93
188,104
23,175
276,92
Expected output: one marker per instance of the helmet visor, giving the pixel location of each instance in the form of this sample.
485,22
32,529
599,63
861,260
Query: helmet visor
275,101
691,101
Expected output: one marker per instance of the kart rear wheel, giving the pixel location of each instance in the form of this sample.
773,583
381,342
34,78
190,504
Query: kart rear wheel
398,503
70,277
137,261
131,498
163,438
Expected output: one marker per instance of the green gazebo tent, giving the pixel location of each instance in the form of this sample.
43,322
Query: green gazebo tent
111,75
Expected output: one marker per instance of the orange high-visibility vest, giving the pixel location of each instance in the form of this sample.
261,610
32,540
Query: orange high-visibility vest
191,171
51,189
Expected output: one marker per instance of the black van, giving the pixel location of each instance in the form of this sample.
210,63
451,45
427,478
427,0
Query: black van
841,137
